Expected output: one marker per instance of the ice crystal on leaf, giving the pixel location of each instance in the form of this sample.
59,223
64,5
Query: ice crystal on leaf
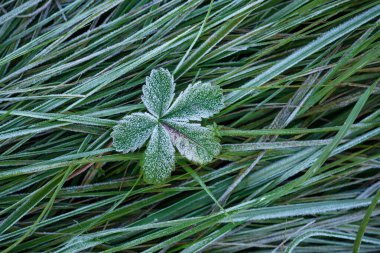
158,92
133,131
168,124
198,101
193,141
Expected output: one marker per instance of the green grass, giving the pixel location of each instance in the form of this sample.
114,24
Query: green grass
300,132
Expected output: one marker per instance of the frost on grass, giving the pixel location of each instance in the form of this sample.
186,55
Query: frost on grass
168,125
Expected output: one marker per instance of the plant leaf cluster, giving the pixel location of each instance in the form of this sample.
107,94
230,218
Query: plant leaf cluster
170,124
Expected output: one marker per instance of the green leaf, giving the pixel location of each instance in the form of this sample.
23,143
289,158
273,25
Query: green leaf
364,223
294,210
196,143
158,91
17,11
325,233
133,131
275,145
200,100
159,157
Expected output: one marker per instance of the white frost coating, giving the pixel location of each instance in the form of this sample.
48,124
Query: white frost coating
158,91
133,131
168,125
294,210
193,141
199,100
275,145
159,157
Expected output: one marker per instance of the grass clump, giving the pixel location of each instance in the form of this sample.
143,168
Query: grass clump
297,170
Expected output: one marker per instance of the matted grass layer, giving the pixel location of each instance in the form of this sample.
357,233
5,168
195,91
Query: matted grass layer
300,130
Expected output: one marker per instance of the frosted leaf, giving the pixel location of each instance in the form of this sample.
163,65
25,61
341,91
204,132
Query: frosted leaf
132,131
168,124
193,141
159,157
200,100
158,91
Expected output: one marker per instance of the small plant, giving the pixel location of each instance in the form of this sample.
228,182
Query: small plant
169,124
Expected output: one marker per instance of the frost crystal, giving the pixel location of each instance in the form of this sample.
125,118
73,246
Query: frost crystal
198,101
133,131
158,91
194,142
159,157
168,125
